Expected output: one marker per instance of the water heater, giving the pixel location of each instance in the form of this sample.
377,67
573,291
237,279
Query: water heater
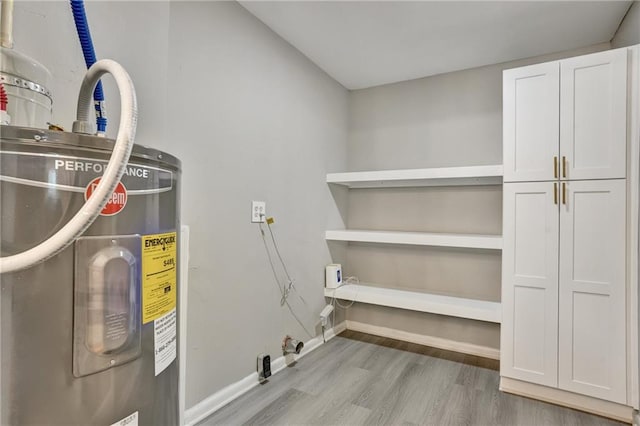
89,336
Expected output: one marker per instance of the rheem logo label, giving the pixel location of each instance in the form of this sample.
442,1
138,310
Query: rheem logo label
116,202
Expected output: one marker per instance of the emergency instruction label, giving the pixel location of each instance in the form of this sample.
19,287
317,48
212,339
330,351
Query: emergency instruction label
159,262
164,341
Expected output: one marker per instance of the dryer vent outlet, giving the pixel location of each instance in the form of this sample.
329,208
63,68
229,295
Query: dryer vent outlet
264,367
291,346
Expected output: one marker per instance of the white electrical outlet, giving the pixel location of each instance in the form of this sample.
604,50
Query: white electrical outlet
258,211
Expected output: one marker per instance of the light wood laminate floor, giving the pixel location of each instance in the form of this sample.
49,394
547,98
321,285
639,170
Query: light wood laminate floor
359,379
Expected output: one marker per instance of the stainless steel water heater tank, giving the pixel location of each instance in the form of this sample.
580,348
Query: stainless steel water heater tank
90,336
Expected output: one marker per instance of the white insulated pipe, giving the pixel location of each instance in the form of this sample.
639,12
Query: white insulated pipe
6,24
114,171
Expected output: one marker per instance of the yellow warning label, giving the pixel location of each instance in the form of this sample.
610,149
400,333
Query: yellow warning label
159,263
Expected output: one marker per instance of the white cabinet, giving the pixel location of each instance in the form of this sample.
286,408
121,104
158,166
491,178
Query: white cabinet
566,119
531,122
592,332
593,118
563,288
529,343
564,271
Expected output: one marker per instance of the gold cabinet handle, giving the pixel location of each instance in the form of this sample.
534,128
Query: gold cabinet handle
564,193
555,193
555,167
564,166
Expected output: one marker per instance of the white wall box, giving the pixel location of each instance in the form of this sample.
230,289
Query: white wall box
570,229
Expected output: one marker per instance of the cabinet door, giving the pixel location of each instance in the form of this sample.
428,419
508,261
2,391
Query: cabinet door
529,330
531,122
592,351
593,112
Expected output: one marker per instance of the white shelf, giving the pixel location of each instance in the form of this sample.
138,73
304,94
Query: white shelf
416,301
493,242
442,176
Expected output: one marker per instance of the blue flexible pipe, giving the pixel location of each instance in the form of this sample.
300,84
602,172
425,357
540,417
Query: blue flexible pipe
82,26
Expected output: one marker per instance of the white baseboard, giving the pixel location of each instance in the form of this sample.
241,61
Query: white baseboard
213,403
585,403
420,339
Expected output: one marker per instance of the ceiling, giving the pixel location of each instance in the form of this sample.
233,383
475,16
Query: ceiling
369,43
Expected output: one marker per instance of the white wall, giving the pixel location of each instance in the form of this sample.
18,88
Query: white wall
251,119
46,32
445,120
628,33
